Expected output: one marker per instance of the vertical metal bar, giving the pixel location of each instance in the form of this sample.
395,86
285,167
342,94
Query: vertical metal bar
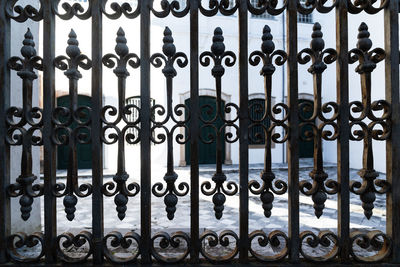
391,22
97,147
50,213
293,151
194,130
342,96
4,148
244,128
145,148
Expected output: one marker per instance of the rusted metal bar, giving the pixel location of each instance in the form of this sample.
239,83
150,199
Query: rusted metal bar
97,145
145,133
293,123
342,96
391,22
194,131
244,129
5,219
49,157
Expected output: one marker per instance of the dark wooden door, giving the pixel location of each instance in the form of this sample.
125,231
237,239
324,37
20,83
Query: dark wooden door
207,152
83,150
306,147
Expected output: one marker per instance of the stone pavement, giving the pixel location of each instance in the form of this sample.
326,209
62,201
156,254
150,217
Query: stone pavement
230,219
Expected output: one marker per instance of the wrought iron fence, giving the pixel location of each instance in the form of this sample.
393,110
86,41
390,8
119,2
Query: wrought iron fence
50,127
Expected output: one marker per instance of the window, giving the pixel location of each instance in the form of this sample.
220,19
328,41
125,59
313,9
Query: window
257,110
265,15
304,18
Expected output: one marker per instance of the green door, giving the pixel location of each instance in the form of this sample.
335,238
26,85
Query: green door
207,152
83,150
306,148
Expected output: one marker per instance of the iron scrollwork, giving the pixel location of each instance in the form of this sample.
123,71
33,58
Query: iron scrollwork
367,63
218,55
122,190
26,130
74,10
24,13
130,239
222,6
171,7
371,241
67,243
274,240
174,241
269,6
211,240
320,58
63,118
121,9
19,240
267,55
169,57
325,239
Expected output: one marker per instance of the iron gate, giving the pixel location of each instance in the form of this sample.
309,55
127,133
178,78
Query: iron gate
29,126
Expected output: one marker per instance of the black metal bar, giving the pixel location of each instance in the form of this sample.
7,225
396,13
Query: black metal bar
5,220
293,123
244,129
342,96
391,22
97,146
194,130
50,213
145,133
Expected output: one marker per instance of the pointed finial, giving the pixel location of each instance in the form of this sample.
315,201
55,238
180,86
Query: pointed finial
317,43
73,48
364,43
28,50
218,46
169,48
121,48
268,45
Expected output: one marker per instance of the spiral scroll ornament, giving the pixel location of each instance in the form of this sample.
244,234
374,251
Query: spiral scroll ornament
64,134
320,58
25,126
267,55
367,63
168,58
119,62
218,55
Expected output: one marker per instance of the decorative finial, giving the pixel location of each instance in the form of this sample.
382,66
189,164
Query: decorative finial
268,45
317,43
218,46
28,50
364,43
121,48
169,48
73,48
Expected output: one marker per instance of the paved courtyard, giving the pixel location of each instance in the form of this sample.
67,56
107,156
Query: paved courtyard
230,219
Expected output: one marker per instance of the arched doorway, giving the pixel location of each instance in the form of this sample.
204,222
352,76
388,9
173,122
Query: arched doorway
84,152
207,152
306,147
